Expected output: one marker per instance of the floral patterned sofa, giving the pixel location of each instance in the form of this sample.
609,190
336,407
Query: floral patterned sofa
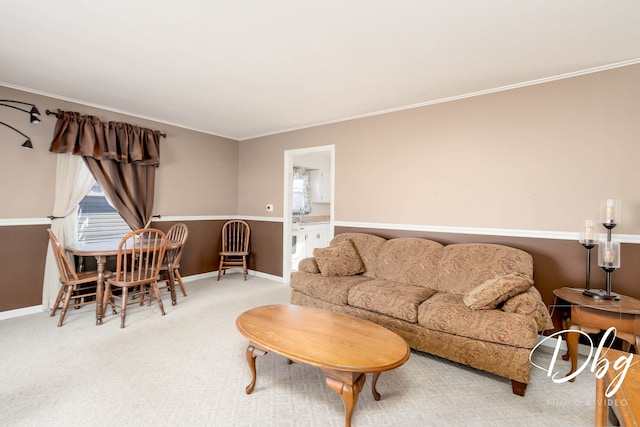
471,303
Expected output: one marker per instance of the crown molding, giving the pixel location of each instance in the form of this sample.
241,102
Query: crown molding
578,73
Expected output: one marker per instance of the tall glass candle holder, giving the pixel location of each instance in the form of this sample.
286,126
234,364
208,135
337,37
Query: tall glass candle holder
609,260
587,237
610,215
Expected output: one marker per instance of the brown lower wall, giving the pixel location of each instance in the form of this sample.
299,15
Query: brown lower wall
557,263
23,254
203,244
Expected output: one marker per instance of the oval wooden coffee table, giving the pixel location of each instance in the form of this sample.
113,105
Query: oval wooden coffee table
344,347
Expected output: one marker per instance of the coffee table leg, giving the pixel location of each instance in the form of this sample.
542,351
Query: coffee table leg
251,354
375,393
348,385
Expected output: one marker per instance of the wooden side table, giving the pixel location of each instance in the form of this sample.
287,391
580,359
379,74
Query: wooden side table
625,402
594,315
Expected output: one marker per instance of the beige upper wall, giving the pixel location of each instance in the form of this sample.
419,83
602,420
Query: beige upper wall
197,174
541,157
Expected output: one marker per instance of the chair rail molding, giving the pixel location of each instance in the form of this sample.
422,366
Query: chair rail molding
24,221
506,232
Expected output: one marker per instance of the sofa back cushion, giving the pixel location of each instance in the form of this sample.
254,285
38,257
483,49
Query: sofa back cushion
368,247
464,266
409,260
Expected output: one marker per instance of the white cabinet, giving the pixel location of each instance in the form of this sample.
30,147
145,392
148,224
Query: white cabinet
305,239
298,250
318,238
320,181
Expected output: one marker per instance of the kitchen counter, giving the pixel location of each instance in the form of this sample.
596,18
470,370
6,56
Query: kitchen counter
310,220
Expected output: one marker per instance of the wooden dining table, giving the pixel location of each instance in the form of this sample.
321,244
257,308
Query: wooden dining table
101,251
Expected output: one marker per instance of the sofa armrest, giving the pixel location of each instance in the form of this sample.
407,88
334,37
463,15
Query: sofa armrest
530,303
309,265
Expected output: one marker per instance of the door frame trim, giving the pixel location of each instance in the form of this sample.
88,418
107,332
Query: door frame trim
287,228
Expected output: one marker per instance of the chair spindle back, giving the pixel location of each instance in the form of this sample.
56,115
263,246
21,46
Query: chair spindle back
140,255
235,236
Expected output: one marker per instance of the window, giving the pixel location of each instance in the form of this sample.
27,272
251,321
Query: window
98,220
301,198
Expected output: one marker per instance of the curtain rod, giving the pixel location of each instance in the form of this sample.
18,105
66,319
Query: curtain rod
53,113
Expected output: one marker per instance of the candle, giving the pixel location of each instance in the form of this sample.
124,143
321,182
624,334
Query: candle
610,210
588,232
608,256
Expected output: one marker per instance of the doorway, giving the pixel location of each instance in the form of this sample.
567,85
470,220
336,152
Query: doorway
314,158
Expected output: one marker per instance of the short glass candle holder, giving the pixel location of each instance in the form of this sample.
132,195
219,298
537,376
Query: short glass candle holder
588,233
609,255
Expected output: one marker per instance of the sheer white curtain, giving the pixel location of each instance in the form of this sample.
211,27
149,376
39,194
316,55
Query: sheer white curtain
73,182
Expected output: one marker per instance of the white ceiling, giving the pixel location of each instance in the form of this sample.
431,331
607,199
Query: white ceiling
246,68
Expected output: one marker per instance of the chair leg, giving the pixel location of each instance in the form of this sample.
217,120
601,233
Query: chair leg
220,267
108,299
77,300
65,304
56,305
244,266
142,291
176,273
123,309
171,284
154,285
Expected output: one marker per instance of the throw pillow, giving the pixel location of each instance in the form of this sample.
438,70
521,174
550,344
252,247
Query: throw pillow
308,265
494,291
530,303
339,260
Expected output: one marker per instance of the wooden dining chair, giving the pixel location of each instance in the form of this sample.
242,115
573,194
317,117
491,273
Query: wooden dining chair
140,254
235,246
176,238
76,289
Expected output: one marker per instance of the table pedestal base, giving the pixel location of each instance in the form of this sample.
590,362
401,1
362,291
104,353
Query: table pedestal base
601,294
347,384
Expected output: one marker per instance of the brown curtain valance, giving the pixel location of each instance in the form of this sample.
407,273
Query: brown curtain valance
89,136
122,158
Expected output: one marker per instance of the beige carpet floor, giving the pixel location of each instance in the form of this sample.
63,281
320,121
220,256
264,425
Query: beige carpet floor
188,368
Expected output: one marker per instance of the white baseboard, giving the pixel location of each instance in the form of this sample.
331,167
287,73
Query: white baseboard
18,312
583,350
251,273
10,314
195,277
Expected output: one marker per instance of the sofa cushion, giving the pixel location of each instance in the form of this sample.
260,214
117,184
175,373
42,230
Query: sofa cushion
409,260
494,291
331,289
393,299
447,313
464,266
368,247
530,303
340,259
